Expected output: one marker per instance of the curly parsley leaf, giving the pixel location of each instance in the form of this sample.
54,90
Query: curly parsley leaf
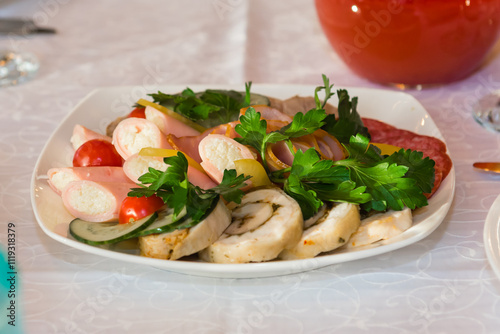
252,129
312,181
328,92
230,186
349,122
387,179
303,124
308,200
419,168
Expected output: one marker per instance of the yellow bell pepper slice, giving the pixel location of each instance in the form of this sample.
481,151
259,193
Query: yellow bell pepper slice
386,148
255,169
165,152
171,113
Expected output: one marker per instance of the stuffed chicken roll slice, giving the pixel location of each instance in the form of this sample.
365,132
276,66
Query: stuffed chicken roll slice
95,201
381,226
133,134
82,134
265,222
59,178
329,231
219,153
186,241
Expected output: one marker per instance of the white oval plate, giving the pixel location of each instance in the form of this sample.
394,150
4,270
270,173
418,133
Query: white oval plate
491,236
104,105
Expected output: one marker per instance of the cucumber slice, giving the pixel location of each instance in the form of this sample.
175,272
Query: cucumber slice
164,222
107,233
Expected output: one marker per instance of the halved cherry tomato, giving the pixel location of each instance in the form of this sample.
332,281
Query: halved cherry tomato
139,112
97,152
135,208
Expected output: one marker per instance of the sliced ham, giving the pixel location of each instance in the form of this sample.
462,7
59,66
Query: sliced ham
169,125
296,104
279,156
137,165
95,201
269,113
59,178
82,134
329,145
266,222
133,134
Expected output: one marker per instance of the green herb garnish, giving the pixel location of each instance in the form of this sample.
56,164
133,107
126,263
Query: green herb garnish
365,177
209,108
178,193
348,123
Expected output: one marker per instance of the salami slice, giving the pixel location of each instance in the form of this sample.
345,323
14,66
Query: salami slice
430,146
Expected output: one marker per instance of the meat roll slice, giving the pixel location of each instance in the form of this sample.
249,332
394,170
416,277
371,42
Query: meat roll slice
184,242
265,222
327,233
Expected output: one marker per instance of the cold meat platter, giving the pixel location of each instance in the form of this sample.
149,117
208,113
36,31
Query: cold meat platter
104,105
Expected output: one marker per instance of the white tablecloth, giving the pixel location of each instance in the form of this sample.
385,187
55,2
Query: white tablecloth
443,284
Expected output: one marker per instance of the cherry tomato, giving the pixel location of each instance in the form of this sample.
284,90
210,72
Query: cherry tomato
138,112
135,208
97,152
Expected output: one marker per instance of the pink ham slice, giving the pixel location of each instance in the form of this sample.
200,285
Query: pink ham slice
133,134
137,165
82,134
169,125
59,178
329,145
269,113
95,201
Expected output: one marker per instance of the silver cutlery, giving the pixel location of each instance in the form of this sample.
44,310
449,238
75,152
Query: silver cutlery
20,26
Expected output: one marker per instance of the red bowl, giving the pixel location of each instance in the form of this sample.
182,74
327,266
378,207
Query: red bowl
411,42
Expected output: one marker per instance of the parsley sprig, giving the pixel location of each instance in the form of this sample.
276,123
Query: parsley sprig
178,193
209,108
253,129
349,121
